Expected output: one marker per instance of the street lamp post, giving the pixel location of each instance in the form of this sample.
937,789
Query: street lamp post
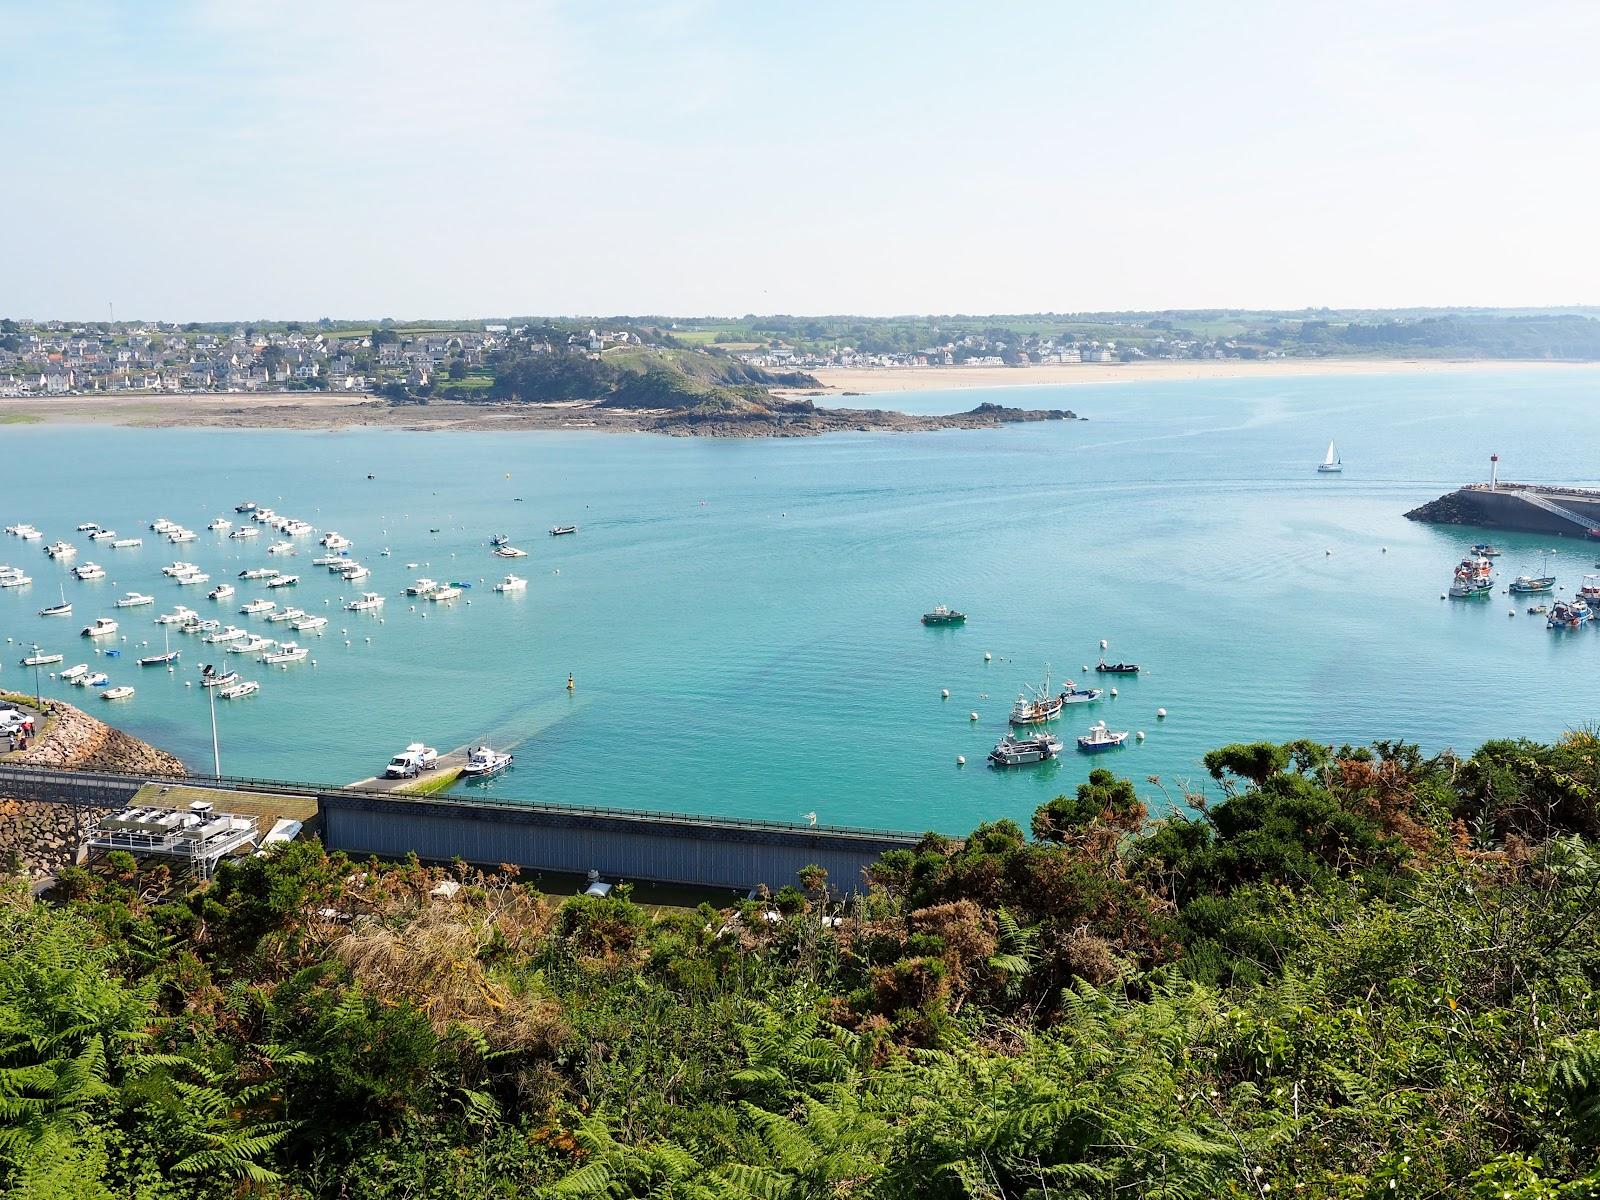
38,697
216,751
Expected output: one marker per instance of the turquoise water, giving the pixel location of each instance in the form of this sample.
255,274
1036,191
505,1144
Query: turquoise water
741,616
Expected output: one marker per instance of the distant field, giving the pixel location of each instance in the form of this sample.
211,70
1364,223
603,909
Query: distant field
19,419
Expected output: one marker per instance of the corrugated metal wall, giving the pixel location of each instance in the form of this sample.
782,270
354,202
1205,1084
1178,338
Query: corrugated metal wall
620,848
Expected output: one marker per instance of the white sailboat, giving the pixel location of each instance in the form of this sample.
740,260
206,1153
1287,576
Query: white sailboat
1330,464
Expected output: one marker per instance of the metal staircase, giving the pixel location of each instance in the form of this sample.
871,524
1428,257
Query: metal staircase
1566,514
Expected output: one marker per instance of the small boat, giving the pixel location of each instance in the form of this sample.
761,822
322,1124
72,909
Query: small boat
263,515
1100,738
483,762
174,569
500,539
336,541
1012,751
57,610
1567,614
220,525
134,600
73,674
1038,708
283,581
512,583
448,592
562,530
182,535
254,607
943,614
15,579
100,627
87,527
238,691
1077,695
126,543
1116,668
1330,464
329,560
177,616
288,614
196,625
60,549
509,552
1538,610
254,644
309,624
1485,550
231,634
210,677
88,571
162,525
260,573
249,506
29,534
365,603
1589,592
123,692
296,528
221,592
1526,584
92,680
195,578
421,587
243,532
286,653
103,535
160,660
282,548
42,660
356,573
1473,579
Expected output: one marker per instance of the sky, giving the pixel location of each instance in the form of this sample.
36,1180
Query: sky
233,159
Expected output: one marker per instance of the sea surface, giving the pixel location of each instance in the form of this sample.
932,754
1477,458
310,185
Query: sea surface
740,618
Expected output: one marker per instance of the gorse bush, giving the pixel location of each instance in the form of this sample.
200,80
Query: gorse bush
1357,973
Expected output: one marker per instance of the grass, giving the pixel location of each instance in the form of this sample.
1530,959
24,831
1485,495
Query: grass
251,804
430,784
20,419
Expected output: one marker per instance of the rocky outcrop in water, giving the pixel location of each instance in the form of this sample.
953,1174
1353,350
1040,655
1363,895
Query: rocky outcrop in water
1449,509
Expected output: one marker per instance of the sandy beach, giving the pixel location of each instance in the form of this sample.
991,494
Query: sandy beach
876,381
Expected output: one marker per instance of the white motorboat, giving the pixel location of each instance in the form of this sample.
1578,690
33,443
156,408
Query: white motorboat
328,560
103,535
196,625
195,578
288,614
73,674
174,569
1100,738
1012,751
221,592
126,543
220,525
309,624
177,616
93,680
509,552
254,644
238,691
422,587
256,607
336,541
42,660
248,506
134,600
366,602
86,527
15,579
483,762
282,548
89,570
297,528
512,583
100,627
182,535
162,525
60,549
231,634
123,692
286,653
356,574
259,573
29,534
448,592
210,677
283,581
245,531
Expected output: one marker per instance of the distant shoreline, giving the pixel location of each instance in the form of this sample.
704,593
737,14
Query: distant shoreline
887,380
339,411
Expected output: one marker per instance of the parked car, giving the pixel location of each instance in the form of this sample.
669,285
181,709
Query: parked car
411,762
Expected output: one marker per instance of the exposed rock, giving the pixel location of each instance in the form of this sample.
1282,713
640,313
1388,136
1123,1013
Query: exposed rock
1449,509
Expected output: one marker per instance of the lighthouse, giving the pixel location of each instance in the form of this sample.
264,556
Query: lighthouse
1494,471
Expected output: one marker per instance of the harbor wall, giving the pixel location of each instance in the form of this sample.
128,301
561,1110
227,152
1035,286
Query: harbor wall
1504,508
620,846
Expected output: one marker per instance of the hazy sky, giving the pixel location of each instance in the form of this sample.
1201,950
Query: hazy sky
192,159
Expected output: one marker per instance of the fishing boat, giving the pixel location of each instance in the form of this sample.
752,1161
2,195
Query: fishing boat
42,660
483,762
103,535
254,644
1116,668
512,583
366,602
73,674
124,692
1012,751
1567,614
288,614
286,653
1037,708
1473,579
447,592
1330,464
562,530
219,525
1485,550
249,506
260,573
221,592
1526,584
1100,738
177,616
60,550
283,581
210,677
238,691
100,627
126,543
943,614
243,532
133,600
255,607
1589,592
509,552
309,624
231,634
87,571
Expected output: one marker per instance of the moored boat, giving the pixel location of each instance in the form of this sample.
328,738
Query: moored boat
509,552
210,677
256,607
100,627
366,602
42,659
1100,738
286,653
447,592
482,761
134,600
309,624
512,583
157,660
288,614
221,592
259,573
124,692
943,614
1567,614
1012,751
60,549
1116,668
562,530
283,581
238,691
177,616
73,674
87,571
126,543
243,532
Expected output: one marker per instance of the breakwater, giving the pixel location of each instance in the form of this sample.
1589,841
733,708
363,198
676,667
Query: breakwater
1522,507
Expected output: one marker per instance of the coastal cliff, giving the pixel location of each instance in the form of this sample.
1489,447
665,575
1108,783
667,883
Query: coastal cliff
42,838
